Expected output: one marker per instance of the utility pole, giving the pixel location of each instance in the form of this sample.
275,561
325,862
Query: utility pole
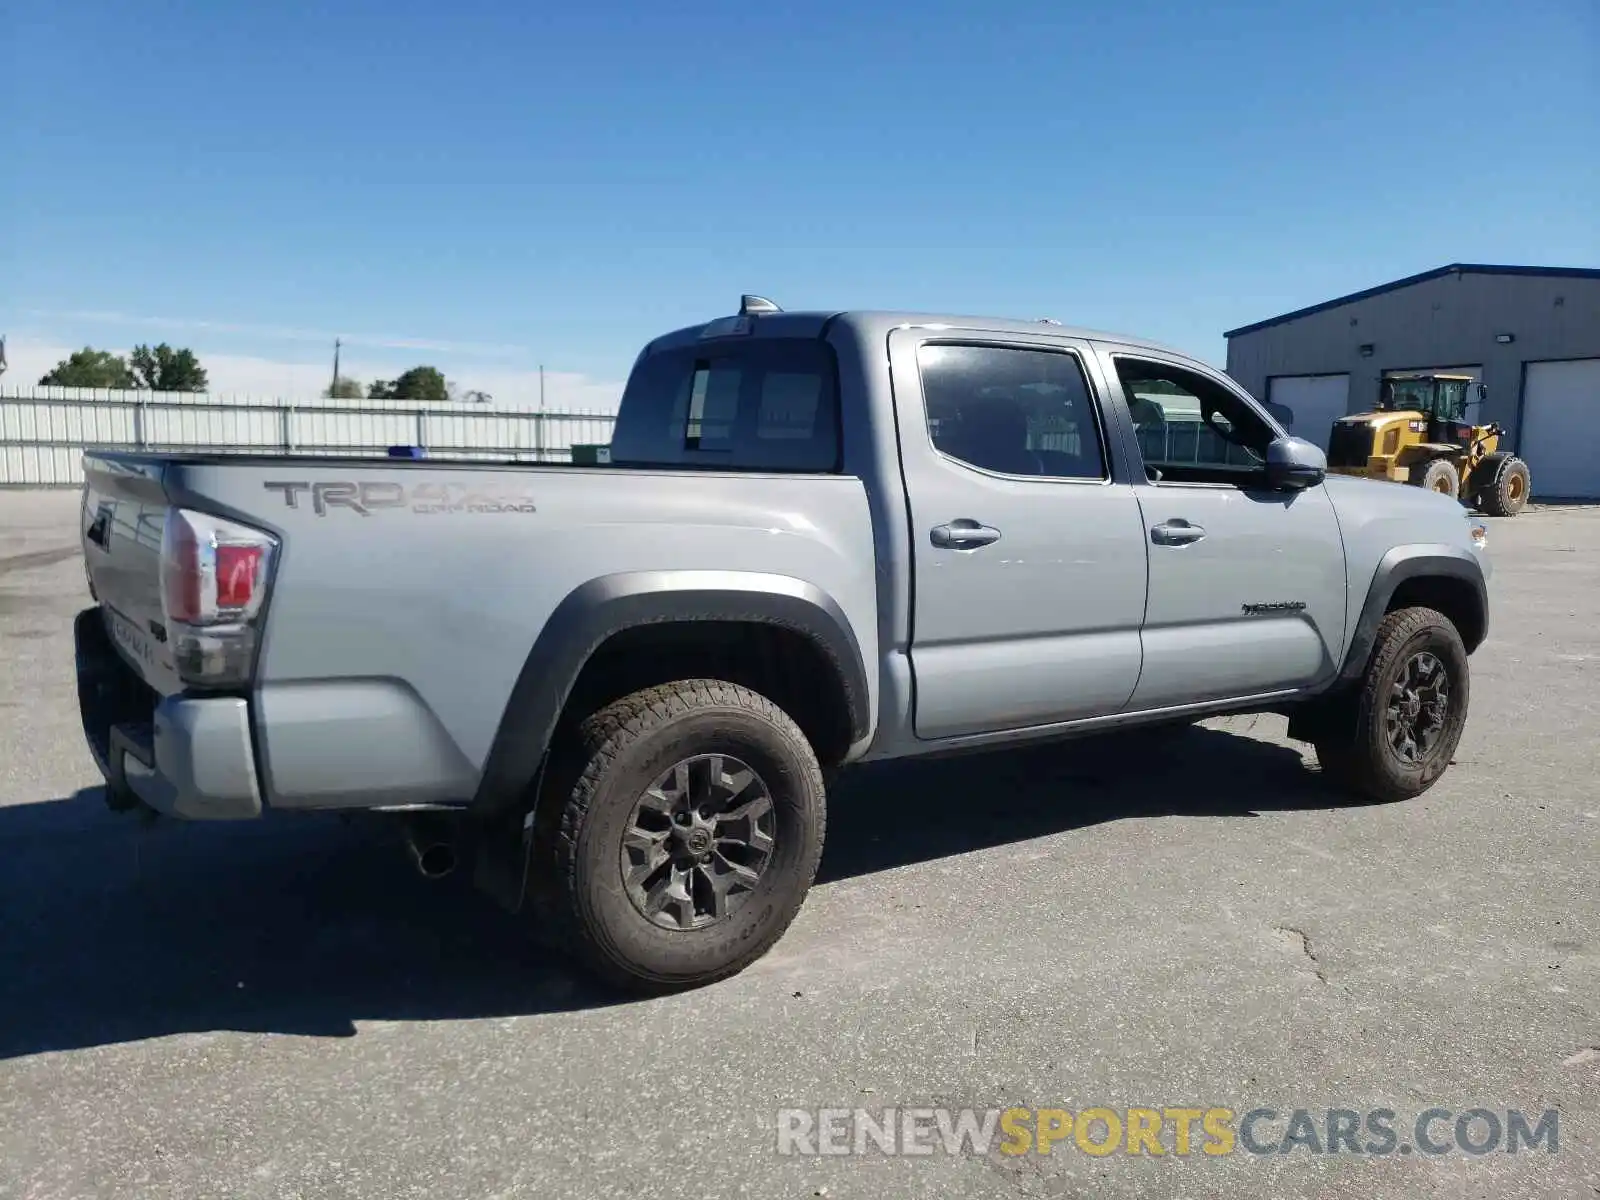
538,424
333,388
2,355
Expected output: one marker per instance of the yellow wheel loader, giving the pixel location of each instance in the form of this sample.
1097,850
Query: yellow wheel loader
1419,435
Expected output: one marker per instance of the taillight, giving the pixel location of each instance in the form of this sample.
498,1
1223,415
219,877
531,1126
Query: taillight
214,577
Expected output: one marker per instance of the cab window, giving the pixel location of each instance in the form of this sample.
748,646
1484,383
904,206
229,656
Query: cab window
754,405
1012,410
1192,429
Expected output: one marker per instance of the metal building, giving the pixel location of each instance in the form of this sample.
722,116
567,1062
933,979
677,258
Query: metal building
1530,334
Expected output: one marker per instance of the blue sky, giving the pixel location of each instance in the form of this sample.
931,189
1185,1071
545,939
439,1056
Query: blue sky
491,184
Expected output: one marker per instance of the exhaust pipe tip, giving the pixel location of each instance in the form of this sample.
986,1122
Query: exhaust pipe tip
431,844
435,861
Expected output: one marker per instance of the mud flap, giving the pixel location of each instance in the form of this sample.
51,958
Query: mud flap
1327,718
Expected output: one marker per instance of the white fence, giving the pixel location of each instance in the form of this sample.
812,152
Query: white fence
45,430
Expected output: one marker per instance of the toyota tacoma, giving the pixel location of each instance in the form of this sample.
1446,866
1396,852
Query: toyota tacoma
619,690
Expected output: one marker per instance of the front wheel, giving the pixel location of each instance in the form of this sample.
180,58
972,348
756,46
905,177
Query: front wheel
1441,476
1395,734
690,837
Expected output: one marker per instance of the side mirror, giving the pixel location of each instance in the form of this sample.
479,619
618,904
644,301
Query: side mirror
1294,463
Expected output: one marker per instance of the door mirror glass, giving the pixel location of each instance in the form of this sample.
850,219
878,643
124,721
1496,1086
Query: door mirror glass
1294,463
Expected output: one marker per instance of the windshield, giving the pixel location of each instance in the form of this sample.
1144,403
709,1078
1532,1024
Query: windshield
1402,394
1442,398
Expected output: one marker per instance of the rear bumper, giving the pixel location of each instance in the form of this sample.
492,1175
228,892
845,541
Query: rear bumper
184,756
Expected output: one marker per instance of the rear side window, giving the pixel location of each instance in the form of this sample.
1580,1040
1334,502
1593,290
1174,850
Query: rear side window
1012,409
756,405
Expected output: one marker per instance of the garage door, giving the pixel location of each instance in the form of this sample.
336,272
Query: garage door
1560,436
1308,405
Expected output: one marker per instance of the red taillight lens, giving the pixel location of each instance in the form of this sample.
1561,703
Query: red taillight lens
238,568
213,572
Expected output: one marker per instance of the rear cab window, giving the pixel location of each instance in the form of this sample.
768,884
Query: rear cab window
755,404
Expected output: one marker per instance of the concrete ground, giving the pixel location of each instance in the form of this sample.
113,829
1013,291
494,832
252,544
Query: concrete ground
286,1010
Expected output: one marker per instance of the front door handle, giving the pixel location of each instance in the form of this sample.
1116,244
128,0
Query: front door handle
1176,532
963,534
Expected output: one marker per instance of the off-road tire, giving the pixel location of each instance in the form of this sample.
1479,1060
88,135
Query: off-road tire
1352,743
1440,475
617,753
1504,490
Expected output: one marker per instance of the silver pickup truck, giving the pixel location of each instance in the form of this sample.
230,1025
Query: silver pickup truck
821,539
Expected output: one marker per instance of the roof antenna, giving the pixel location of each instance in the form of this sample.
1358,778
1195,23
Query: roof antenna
751,306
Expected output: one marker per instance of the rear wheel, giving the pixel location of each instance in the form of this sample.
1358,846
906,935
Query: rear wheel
1441,476
1393,736
689,838
1504,490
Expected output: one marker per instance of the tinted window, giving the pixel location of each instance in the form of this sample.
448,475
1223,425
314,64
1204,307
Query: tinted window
1191,428
713,405
790,402
756,405
1012,410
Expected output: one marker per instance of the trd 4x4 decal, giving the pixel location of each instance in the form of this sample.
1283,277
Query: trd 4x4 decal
368,496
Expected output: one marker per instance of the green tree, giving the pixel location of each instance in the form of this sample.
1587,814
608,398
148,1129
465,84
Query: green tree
167,370
90,368
344,388
419,383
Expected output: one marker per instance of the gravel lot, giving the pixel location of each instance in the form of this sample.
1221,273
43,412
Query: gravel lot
286,1010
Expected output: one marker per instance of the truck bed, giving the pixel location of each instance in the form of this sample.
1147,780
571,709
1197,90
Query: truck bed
406,596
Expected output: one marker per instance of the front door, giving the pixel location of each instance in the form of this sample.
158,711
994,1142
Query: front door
1028,560
1247,584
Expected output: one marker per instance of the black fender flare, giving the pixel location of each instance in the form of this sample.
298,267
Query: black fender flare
1402,563
602,607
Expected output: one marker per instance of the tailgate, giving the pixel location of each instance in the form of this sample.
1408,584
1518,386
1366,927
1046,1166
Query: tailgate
124,508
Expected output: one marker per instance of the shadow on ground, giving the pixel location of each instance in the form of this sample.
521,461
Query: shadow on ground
111,931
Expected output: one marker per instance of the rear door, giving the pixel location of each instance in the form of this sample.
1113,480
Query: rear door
1028,560
1247,584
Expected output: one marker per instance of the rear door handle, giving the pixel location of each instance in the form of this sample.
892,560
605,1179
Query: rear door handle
1176,532
963,534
